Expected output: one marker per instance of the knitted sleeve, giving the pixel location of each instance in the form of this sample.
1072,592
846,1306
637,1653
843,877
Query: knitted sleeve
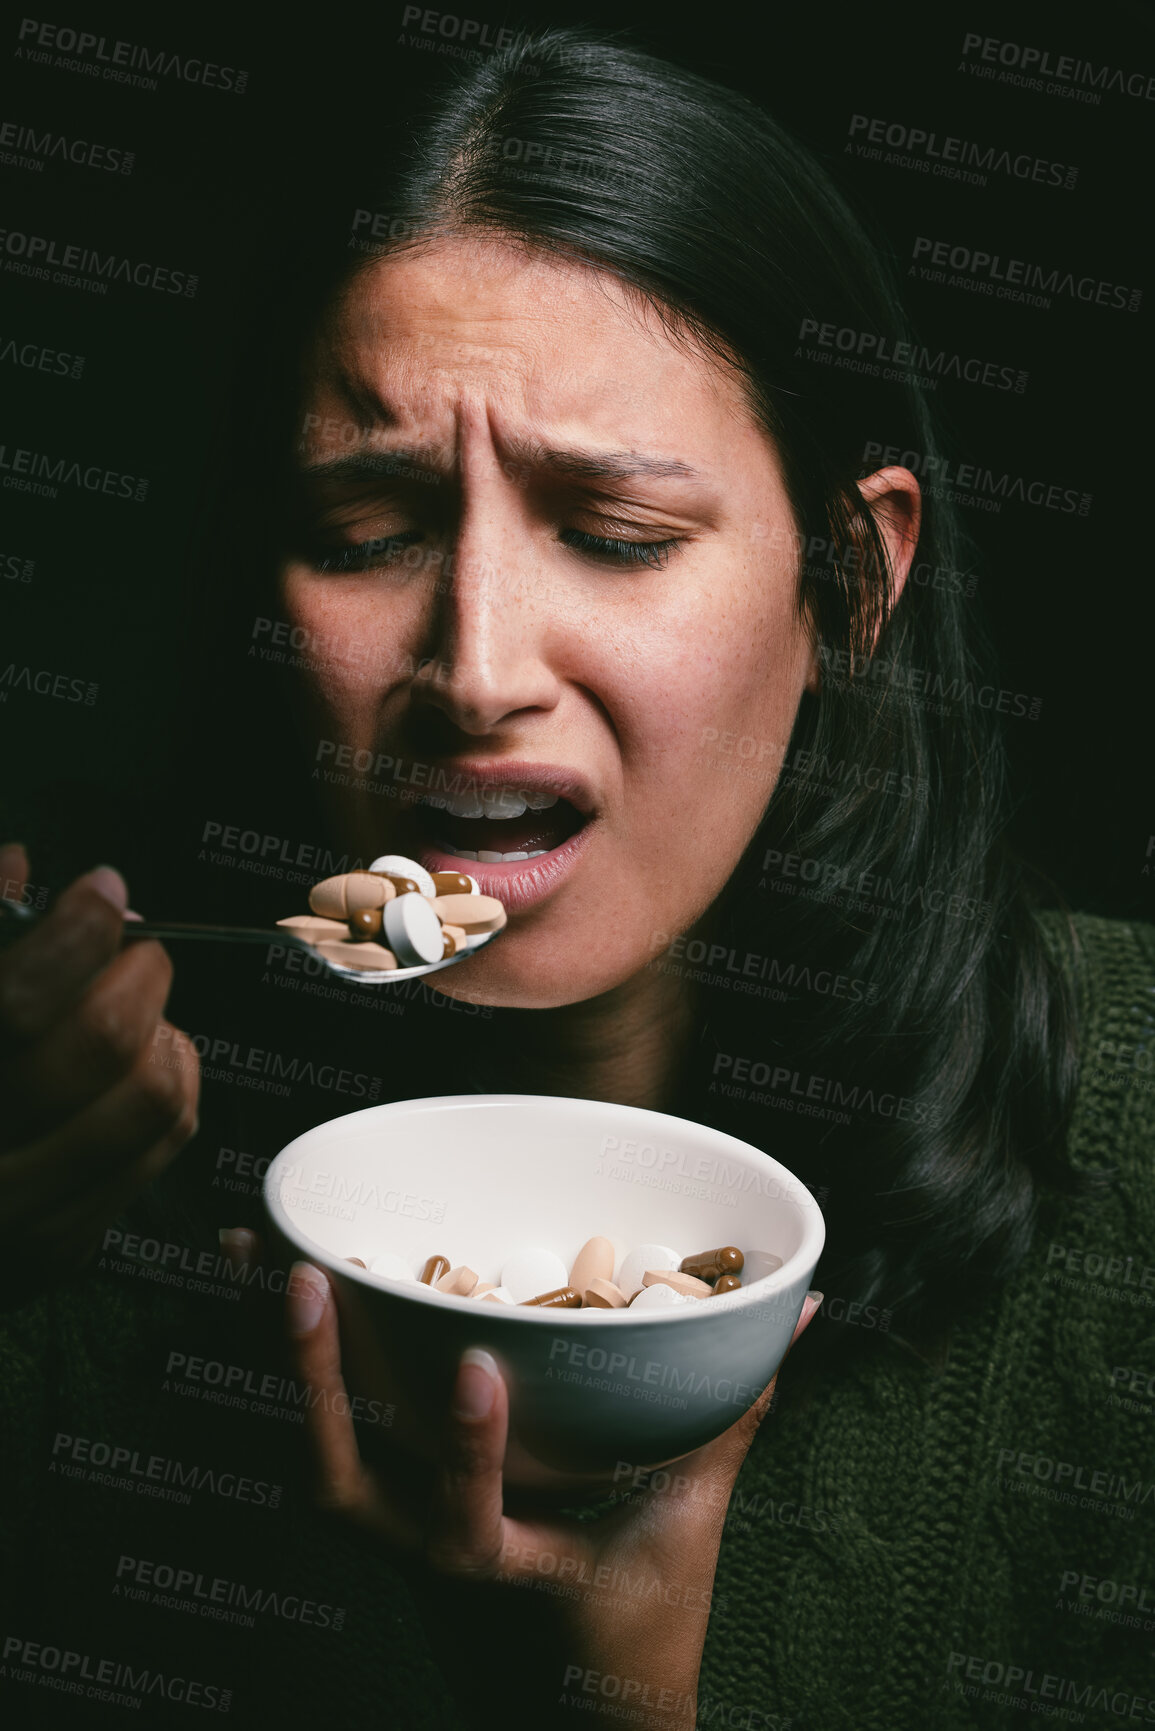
962,1544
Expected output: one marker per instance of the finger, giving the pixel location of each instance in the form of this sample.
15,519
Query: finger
13,871
806,1315
718,1462
345,1486
466,1525
143,1112
96,1044
242,1246
751,1420
47,970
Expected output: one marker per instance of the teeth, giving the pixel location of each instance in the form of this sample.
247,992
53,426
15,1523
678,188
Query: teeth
459,805
487,857
498,802
502,802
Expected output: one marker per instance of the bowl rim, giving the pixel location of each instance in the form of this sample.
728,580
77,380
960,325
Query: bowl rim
794,1191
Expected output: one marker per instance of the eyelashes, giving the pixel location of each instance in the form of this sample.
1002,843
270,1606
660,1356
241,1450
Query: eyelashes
388,550
655,554
362,555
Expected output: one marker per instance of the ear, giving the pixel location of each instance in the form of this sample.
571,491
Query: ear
895,502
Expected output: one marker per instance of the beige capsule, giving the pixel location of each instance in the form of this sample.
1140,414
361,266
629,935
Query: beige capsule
594,1261
328,898
603,1295
310,926
472,913
683,1283
370,957
364,890
459,1282
338,897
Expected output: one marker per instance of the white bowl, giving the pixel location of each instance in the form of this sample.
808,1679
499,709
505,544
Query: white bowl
479,1176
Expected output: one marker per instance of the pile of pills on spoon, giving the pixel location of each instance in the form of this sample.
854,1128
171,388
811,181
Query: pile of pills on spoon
649,1277
396,915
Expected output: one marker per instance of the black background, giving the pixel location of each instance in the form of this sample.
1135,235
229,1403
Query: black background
219,186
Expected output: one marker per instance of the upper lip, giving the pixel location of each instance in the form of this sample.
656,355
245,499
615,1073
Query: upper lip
456,775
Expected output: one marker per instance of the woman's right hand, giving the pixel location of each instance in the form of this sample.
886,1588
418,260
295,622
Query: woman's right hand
99,1092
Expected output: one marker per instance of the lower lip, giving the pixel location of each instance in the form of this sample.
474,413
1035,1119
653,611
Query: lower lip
523,883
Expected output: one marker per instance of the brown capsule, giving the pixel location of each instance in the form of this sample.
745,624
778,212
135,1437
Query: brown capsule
356,1261
433,1270
709,1264
448,944
561,1298
726,1283
366,923
402,886
452,884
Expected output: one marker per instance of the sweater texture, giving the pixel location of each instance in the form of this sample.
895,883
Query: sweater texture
960,1544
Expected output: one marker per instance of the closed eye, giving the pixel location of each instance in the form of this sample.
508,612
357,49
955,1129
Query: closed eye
652,553
363,555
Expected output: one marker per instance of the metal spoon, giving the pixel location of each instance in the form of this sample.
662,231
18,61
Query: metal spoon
16,919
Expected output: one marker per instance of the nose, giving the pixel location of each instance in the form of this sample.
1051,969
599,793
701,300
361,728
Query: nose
493,620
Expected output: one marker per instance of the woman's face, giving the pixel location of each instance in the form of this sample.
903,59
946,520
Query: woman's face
545,561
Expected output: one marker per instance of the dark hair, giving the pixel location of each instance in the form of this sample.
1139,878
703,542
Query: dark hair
956,1015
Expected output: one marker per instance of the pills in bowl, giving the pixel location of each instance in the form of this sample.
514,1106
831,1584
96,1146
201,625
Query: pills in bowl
648,1276
396,915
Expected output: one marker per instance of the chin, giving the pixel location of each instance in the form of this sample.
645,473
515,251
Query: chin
537,983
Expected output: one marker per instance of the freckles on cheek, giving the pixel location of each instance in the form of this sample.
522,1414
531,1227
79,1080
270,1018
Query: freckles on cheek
350,655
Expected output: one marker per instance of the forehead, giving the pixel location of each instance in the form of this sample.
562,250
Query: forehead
536,336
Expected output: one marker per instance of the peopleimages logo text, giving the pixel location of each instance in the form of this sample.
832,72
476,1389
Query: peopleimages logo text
37,250
86,45
1041,63
1021,273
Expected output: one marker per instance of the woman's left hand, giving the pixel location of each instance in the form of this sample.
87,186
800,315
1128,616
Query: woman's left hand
645,1639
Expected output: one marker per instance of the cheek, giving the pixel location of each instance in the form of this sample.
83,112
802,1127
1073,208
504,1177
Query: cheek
355,649
722,686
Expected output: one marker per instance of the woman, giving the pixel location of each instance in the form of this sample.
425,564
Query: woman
581,538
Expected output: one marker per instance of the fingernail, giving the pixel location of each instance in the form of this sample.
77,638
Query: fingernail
809,1305
131,914
308,1295
107,881
476,1386
238,1243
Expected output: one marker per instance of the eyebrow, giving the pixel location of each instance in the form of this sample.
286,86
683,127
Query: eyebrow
575,462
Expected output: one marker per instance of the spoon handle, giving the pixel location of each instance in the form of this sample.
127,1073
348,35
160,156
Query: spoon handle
16,919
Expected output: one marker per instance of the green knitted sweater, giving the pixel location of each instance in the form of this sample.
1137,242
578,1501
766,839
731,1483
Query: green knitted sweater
956,1545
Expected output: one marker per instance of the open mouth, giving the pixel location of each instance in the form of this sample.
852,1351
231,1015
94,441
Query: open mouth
498,825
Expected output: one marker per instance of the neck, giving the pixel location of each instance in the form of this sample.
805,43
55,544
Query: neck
627,1045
